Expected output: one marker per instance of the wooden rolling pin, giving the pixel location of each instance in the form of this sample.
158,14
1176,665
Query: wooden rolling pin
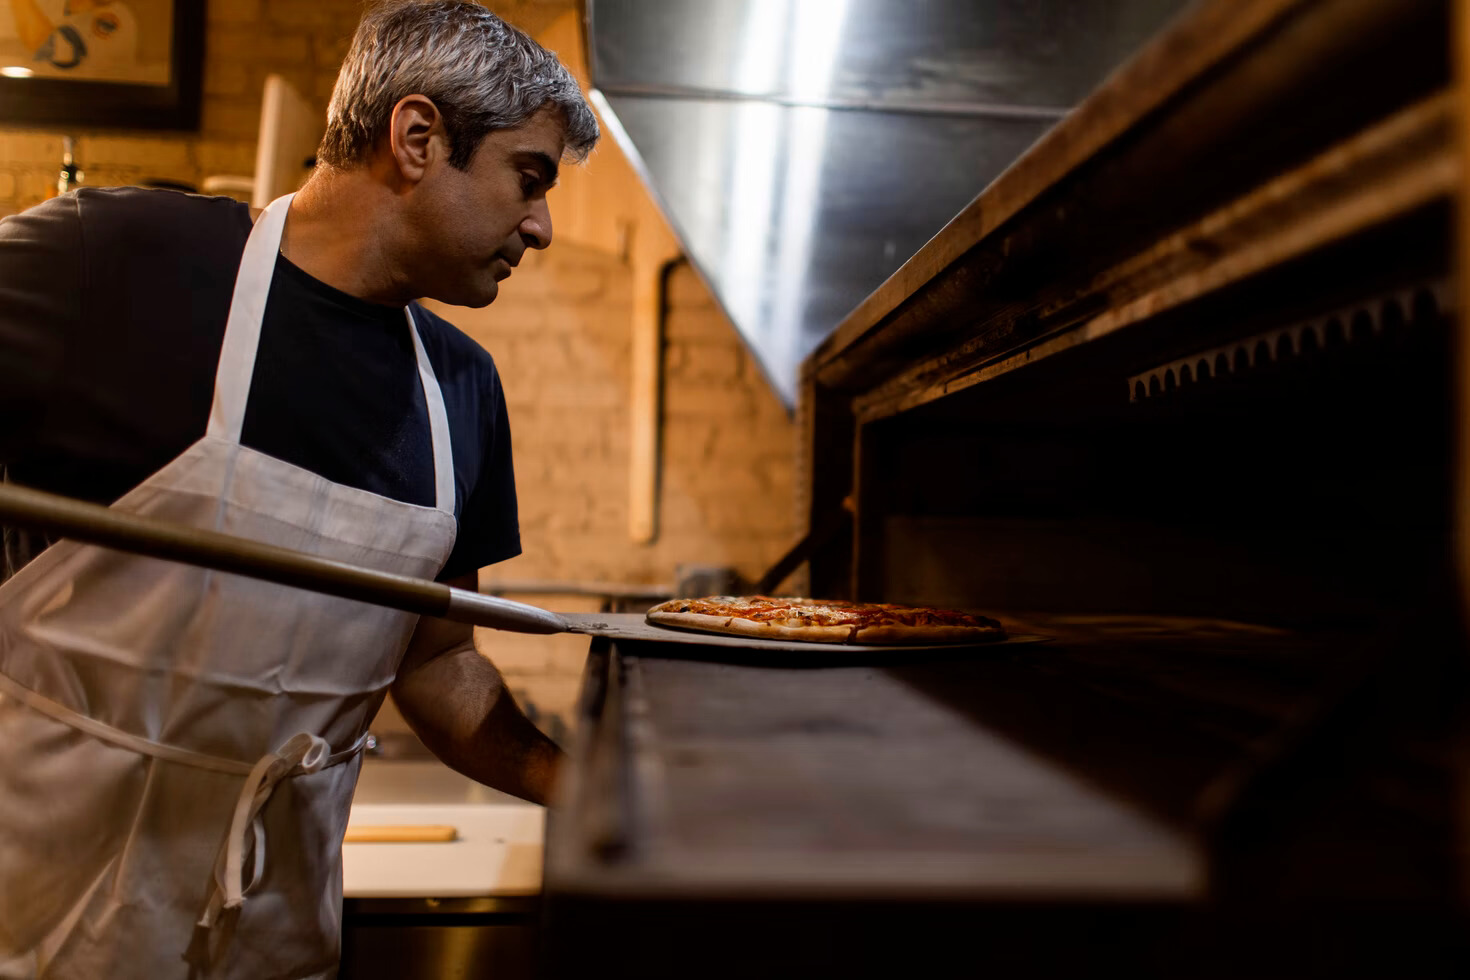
432,833
94,524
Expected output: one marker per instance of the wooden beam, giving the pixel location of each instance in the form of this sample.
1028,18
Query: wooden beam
1211,32
1126,168
1384,172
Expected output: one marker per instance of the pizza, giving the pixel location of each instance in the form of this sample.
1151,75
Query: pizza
826,620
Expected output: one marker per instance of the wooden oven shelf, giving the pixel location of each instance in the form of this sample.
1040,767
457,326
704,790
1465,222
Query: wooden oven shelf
872,782
1393,169
1076,768
1243,136
1005,793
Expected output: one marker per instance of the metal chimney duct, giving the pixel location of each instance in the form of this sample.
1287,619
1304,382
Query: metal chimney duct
804,149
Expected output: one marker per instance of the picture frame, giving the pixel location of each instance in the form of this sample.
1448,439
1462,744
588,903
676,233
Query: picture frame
102,64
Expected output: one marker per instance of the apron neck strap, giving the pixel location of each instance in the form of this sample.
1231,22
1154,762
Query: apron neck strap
242,338
438,421
242,329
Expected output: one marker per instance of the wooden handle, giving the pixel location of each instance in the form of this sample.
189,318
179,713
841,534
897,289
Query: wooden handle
401,834
150,536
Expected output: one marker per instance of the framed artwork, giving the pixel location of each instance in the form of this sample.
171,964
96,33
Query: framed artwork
112,64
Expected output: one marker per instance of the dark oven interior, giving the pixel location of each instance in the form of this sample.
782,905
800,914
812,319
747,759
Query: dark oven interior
1235,524
1279,454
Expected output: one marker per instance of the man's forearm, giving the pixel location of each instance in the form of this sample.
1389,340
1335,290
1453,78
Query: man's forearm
459,705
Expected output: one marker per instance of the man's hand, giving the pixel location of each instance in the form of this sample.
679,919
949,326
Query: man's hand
455,700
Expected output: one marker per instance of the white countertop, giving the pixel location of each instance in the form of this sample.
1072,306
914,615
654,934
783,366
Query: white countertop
497,851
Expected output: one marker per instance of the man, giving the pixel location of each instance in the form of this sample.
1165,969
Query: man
178,747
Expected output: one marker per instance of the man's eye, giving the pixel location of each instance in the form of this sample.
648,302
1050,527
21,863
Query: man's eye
529,183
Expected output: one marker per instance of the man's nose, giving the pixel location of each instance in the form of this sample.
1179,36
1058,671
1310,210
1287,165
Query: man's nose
536,228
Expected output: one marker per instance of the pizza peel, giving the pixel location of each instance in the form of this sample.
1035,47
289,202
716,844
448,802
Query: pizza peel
137,534
633,627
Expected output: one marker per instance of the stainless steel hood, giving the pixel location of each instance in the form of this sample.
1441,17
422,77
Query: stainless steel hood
804,149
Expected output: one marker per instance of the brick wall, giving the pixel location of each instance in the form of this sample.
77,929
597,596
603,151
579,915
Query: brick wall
245,40
560,333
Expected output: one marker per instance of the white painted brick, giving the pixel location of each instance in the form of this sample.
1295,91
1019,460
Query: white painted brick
692,441
224,76
236,157
26,149
231,117
234,12
686,290
323,83
702,364
229,43
708,402
35,186
156,155
303,13
329,49
513,653
549,696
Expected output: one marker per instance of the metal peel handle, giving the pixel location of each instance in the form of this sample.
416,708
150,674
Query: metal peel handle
486,610
94,524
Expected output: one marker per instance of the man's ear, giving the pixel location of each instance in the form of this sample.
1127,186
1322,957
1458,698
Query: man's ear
416,125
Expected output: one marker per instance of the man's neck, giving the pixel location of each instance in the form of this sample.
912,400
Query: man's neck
336,233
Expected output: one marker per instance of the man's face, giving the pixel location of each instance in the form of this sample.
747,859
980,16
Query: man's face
478,222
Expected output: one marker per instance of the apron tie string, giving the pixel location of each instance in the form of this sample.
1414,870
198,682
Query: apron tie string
302,754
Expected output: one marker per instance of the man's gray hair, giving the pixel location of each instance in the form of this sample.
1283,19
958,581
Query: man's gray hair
481,72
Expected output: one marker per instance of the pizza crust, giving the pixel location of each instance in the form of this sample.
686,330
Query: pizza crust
923,635
705,623
874,635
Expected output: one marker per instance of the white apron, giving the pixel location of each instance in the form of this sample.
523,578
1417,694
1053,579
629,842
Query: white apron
178,747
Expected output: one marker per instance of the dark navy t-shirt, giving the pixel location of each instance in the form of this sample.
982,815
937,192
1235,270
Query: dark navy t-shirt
112,311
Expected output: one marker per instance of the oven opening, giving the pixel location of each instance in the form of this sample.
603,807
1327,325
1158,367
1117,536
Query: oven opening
1234,521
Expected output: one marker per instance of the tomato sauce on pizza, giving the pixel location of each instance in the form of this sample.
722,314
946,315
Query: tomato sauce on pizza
826,620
